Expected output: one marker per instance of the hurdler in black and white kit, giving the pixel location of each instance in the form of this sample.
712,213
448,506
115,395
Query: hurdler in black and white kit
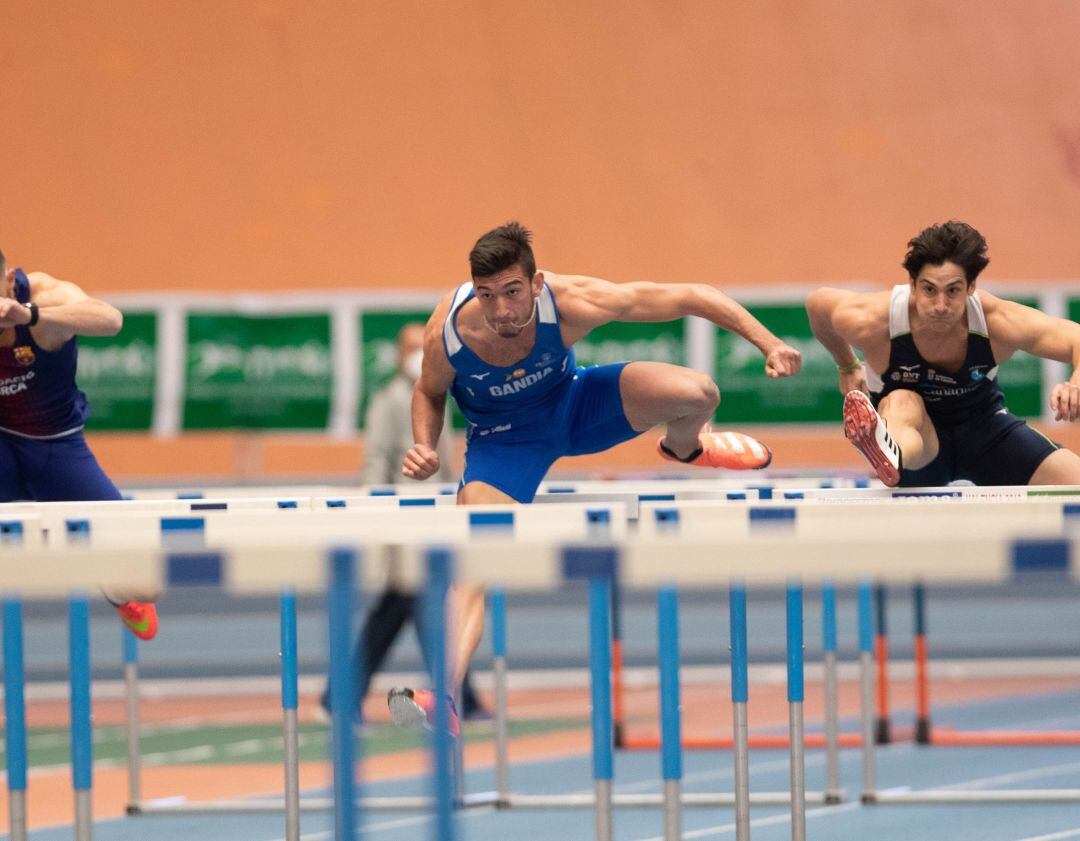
926,408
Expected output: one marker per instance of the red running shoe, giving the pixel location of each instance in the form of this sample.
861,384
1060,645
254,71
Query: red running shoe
864,428
140,617
732,450
416,708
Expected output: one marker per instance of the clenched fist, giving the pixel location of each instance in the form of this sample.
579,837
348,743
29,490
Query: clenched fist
12,313
783,361
421,462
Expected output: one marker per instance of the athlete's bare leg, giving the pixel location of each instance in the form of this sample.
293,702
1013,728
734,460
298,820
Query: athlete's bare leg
654,393
910,427
1061,467
465,602
481,493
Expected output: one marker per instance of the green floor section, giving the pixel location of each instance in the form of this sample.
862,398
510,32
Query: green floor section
255,743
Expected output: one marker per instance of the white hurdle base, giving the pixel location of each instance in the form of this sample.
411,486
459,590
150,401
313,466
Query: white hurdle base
308,804
470,801
1014,795
632,801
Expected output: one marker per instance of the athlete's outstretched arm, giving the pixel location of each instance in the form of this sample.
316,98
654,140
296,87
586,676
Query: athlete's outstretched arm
587,303
64,310
840,324
429,401
1016,327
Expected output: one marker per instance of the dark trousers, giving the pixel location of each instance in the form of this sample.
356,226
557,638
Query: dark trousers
382,625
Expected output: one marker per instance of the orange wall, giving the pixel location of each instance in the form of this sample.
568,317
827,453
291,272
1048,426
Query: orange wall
276,144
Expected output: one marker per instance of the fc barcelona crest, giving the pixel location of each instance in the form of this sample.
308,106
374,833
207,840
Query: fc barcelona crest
24,355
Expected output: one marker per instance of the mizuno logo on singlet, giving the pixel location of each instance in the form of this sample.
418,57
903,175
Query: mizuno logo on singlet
518,383
479,376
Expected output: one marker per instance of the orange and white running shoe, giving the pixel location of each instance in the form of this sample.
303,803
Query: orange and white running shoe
864,428
732,450
416,708
140,617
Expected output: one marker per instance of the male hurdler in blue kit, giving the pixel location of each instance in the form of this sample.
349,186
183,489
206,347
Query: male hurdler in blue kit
43,454
502,344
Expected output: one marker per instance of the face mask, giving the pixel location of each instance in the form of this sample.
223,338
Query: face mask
412,363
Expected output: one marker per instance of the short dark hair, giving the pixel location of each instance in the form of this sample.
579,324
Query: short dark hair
501,248
953,242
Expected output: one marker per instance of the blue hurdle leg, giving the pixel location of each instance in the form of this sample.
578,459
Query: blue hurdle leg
739,695
340,597
439,574
290,730
600,678
15,718
82,745
796,694
670,729
502,723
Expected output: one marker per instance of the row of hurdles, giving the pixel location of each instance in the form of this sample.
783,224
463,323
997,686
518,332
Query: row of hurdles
236,555
691,515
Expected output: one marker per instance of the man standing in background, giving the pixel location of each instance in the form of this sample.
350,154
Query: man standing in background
388,420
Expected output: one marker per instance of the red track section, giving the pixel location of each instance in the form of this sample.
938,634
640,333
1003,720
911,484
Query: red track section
997,738
813,740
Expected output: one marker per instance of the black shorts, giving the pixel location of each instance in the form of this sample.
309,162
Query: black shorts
996,449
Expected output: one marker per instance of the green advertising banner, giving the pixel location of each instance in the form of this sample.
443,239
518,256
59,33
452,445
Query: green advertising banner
1021,378
257,371
118,374
378,361
748,396
623,341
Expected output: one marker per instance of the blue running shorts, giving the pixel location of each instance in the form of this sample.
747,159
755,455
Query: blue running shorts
588,418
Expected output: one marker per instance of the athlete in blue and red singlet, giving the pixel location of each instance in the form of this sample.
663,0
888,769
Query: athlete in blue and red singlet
43,454
932,349
503,346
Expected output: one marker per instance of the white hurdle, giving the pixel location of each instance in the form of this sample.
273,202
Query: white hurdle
253,556
881,516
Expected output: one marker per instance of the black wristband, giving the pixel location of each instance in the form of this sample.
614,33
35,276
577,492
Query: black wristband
34,314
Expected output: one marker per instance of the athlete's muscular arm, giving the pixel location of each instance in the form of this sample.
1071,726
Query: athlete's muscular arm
64,310
843,321
429,400
1015,327
586,303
